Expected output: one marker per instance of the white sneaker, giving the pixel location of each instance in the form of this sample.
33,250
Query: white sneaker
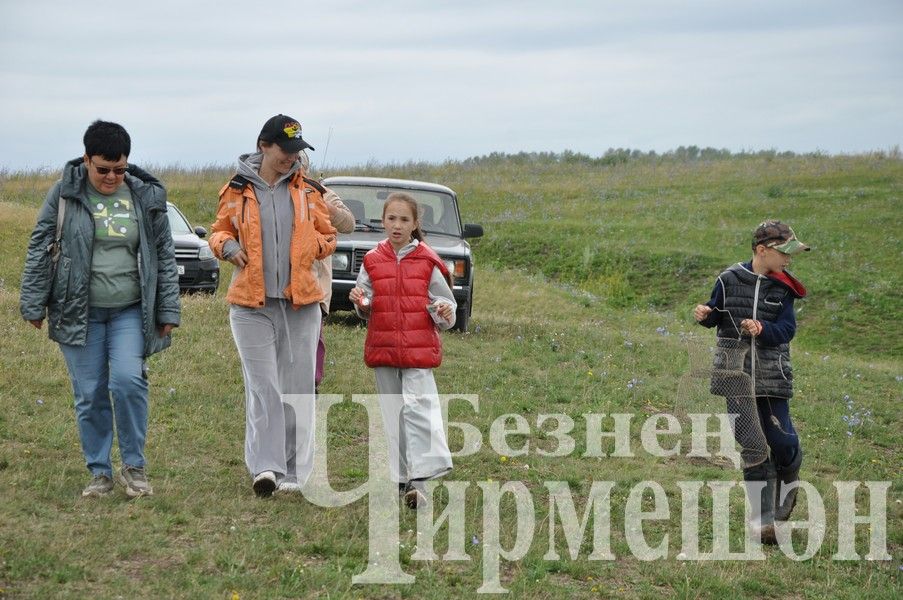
288,487
264,484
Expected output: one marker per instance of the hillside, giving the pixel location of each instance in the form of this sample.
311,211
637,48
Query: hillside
586,277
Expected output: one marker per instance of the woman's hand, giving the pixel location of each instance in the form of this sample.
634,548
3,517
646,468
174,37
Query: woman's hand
36,322
165,329
239,259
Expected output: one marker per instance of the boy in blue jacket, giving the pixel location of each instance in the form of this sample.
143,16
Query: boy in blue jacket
752,305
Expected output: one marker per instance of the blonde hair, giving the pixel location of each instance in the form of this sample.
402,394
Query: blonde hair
417,234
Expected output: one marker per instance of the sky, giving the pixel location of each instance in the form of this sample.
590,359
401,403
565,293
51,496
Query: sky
398,81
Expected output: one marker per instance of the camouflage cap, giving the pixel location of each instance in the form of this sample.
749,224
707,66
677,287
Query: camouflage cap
777,235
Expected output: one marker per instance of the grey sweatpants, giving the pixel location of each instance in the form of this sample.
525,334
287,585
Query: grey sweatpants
409,402
277,346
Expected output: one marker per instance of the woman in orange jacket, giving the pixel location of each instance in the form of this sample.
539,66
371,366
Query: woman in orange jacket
273,224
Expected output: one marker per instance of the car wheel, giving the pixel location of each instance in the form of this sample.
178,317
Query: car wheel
462,315
462,320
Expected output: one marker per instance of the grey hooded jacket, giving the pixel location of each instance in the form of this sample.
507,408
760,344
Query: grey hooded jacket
62,296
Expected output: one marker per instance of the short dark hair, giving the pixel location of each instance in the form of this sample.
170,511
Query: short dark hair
106,139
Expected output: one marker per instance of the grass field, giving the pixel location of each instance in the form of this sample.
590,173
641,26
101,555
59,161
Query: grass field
586,278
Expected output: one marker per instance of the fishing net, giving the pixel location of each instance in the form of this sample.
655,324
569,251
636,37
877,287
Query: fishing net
718,381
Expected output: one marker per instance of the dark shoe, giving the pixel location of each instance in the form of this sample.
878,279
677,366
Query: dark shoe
416,496
402,488
264,484
767,535
135,481
100,486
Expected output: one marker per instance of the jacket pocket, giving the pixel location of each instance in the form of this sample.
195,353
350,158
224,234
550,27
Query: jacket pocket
784,367
59,291
57,302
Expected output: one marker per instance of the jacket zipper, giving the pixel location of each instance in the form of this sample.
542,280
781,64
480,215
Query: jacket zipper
304,207
399,314
145,310
752,357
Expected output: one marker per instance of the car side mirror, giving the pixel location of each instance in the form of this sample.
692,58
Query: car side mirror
200,231
472,230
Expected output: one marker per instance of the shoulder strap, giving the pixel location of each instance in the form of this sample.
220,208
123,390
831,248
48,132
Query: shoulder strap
239,182
314,184
58,237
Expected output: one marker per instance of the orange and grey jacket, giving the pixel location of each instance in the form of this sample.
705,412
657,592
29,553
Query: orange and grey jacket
313,238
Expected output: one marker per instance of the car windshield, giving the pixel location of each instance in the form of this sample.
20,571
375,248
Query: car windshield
438,208
177,223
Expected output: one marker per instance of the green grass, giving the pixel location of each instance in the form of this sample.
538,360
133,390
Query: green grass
586,277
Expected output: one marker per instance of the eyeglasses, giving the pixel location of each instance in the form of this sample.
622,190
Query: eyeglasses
106,170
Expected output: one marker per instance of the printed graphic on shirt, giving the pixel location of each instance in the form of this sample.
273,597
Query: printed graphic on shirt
111,216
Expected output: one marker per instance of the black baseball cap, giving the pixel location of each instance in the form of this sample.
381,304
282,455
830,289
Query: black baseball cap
285,132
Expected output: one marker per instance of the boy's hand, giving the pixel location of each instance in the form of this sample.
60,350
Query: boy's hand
701,312
751,327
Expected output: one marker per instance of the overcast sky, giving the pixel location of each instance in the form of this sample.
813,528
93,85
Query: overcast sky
402,80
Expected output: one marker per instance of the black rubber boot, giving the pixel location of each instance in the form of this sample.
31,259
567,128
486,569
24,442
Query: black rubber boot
762,499
787,475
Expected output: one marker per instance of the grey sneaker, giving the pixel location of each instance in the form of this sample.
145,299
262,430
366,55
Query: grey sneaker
135,481
100,485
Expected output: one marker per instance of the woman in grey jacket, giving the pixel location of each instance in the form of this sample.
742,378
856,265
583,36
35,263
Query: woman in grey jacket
101,268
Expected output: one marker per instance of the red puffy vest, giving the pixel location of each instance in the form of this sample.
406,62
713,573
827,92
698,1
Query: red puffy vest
401,332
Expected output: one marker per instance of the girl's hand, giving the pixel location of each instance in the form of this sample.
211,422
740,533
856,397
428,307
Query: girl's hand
357,295
701,312
444,310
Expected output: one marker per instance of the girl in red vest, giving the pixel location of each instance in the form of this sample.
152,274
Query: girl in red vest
401,285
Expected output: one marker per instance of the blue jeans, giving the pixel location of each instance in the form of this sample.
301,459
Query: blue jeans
781,436
111,363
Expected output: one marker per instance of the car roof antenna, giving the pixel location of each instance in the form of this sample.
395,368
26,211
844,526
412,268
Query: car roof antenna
325,153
